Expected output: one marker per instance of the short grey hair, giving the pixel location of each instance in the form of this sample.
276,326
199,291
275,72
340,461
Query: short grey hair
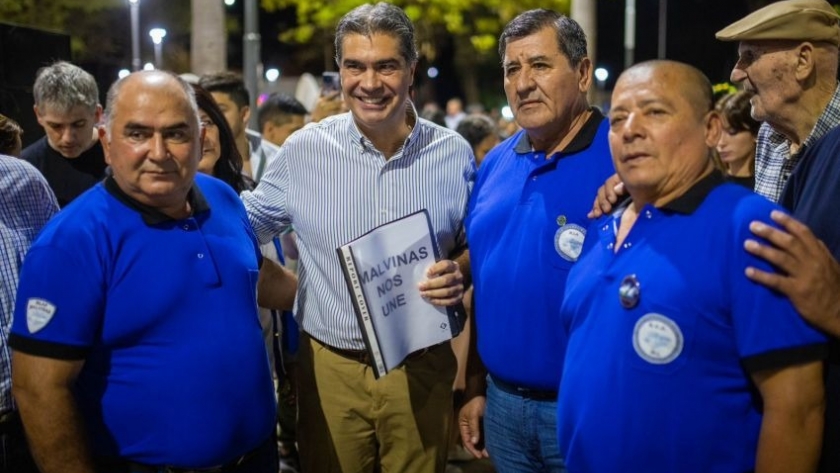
114,91
382,18
65,86
570,36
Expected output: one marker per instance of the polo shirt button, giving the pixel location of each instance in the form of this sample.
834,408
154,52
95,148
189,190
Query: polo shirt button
200,255
187,227
627,245
648,214
534,178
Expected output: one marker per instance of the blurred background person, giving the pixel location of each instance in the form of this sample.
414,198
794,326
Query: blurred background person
454,112
481,133
10,137
229,93
219,156
736,148
280,116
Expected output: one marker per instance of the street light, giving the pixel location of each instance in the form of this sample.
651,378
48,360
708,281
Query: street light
148,67
601,76
157,35
135,34
272,74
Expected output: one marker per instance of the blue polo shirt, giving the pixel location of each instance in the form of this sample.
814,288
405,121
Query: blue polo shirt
526,224
163,312
664,385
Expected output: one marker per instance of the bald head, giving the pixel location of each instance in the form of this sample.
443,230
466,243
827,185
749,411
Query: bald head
146,81
691,83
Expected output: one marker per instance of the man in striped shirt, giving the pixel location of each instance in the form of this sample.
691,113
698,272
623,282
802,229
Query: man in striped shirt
334,181
26,204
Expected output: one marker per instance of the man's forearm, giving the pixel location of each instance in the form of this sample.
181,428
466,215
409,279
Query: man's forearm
792,423
790,443
276,287
54,429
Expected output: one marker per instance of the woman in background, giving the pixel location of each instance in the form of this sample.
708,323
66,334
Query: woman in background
219,156
736,147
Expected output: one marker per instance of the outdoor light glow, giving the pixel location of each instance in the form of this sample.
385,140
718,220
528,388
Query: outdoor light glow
134,2
601,74
123,73
230,2
148,67
432,72
507,113
272,74
157,35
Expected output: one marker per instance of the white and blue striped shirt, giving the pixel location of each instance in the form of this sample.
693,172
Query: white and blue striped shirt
332,184
26,203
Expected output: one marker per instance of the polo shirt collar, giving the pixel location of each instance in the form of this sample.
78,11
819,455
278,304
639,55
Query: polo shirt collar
693,197
580,142
152,216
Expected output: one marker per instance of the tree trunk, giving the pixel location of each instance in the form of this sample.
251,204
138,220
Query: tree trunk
585,12
466,65
208,39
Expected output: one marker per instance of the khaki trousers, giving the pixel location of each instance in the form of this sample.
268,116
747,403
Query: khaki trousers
350,422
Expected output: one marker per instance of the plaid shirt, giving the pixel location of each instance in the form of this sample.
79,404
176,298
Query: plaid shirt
773,161
26,203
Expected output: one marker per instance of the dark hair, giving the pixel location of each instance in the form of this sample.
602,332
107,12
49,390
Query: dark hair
735,109
10,132
434,115
279,108
229,83
381,18
229,166
570,36
475,128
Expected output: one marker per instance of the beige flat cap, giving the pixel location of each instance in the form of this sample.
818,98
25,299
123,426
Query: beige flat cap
800,20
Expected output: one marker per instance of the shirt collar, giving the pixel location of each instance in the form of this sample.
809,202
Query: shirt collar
363,142
828,119
693,197
580,142
152,216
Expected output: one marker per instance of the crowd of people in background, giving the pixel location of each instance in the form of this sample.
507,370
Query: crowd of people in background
649,288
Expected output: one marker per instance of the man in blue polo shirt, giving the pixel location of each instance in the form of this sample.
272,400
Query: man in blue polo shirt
142,350
526,225
675,361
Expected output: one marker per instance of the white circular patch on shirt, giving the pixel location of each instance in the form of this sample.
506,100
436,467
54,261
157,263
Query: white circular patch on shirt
657,339
568,241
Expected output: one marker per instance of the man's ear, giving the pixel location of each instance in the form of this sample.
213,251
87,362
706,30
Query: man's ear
37,115
245,112
585,71
106,144
714,127
805,62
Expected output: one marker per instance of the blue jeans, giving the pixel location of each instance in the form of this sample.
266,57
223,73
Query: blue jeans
521,433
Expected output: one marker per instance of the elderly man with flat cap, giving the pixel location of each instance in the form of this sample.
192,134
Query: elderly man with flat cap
789,56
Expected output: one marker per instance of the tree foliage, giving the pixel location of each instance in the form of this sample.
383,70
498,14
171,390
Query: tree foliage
471,27
481,21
